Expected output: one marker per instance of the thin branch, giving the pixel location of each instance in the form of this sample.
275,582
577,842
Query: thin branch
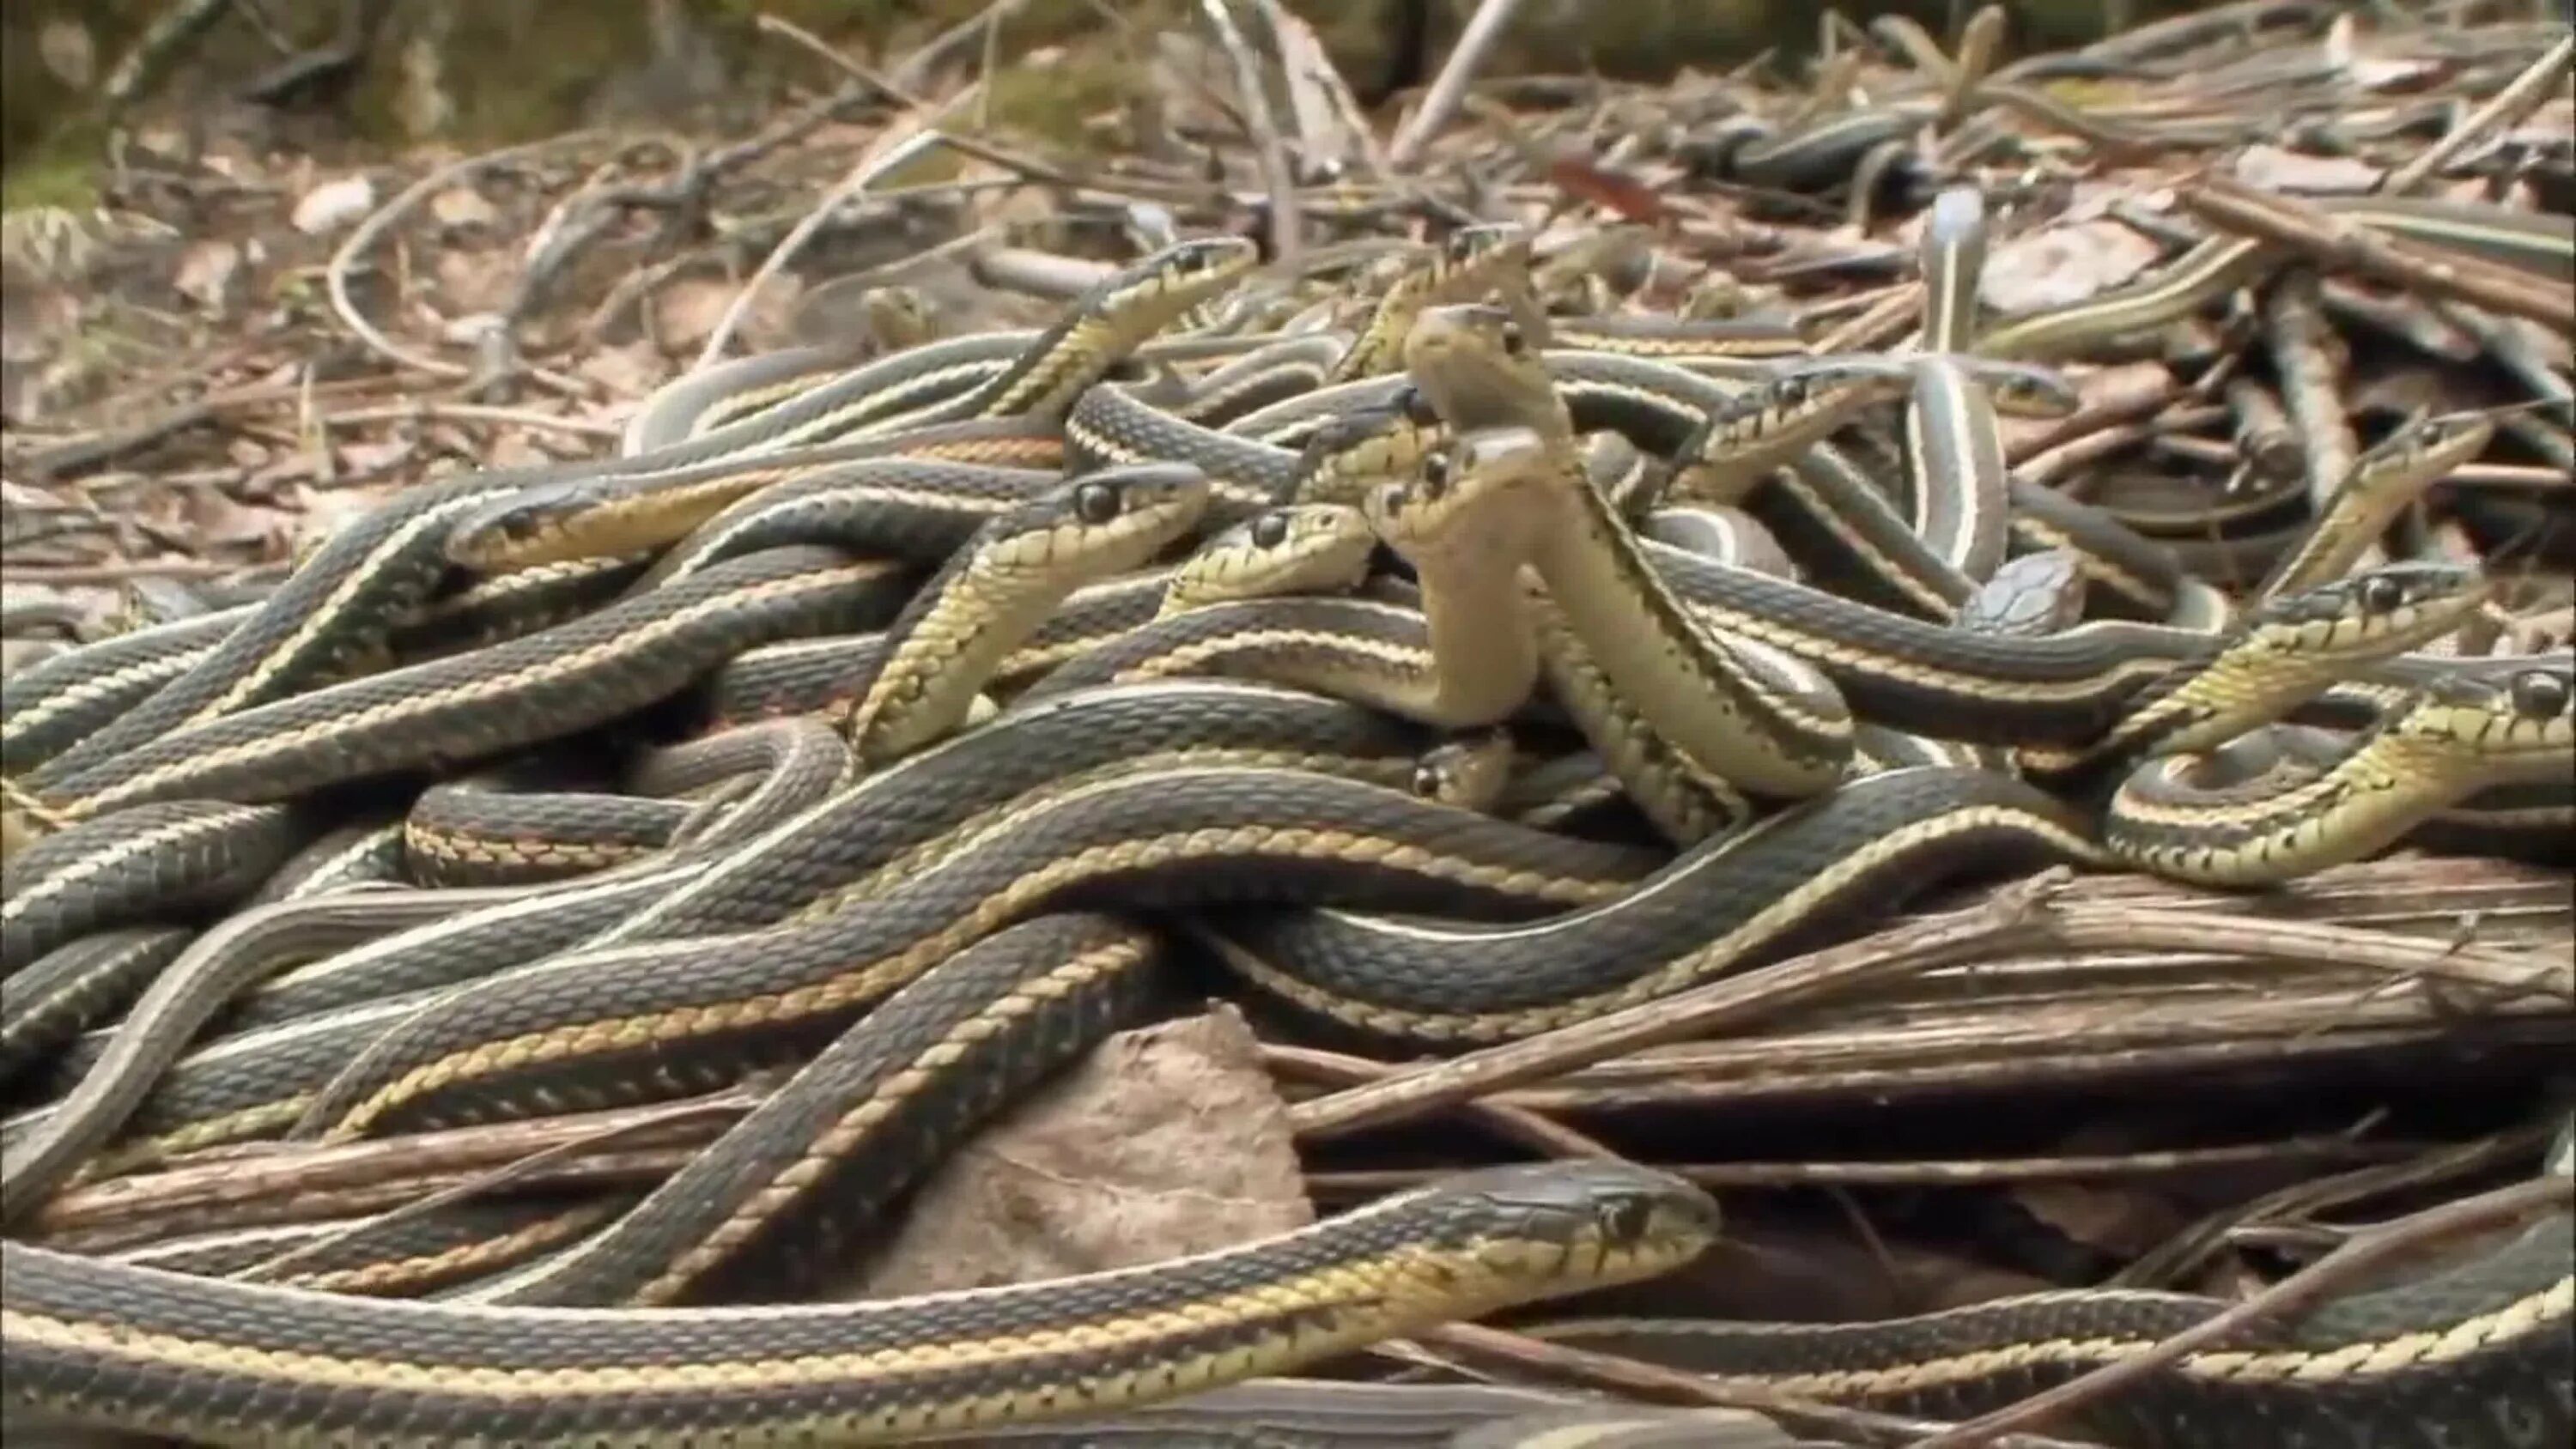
1449,88
335,274
2507,107
1269,149
1621,1374
2433,272
2357,1261
2015,918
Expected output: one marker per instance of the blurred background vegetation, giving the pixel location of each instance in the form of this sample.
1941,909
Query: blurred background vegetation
489,71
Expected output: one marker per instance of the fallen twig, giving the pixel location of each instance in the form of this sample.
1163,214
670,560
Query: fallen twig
2302,1291
2292,223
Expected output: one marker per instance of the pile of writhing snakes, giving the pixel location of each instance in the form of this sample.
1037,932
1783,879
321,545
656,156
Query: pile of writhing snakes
1427,654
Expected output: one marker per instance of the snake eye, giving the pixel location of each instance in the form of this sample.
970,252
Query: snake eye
1270,530
1391,500
1789,391
1625,1219
1426,780
1514,343
2381,594
1436,472
1095,502
2539,694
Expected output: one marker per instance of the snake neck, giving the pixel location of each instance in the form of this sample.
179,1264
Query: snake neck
1483,643
929,681
1684,802
1684,683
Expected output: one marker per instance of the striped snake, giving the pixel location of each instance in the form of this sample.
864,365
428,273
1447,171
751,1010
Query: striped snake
998,740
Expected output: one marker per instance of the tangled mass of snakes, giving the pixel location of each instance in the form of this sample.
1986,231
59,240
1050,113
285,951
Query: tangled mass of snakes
1425,652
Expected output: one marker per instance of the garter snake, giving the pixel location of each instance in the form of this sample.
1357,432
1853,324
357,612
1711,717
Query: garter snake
471,837
1783,738
292,1035
917,510
51,705
98,1342
167,861
478,832
2030,597
1831,511
2379,486
789,1189
1017,566
1466,264
1962,489
1296,549
1424,481
996,590
639,505
386,561
557,681
2215,267
400,1253
893,319
1952,259
2058,693
75,987
1726,904
2457,735
2473,1356
645,504
569,1027
1463,543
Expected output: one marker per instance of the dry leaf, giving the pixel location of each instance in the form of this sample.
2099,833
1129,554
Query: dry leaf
2122,1222
1578,177
209,272
514,449
463,206
1167,1141
470,329
27,497
2387,73
334,204
686,311
218,521
362,459
68,52
475,280
1317,99
2274,169
629,371
2063,265
321,512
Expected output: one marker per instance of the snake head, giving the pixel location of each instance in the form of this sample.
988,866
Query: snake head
2545,692
2026,390
1300,548
2517,728
1463,481
1480,241
1204,259
537,525
1103,523
2371,615
1482,368
1348,452
2426,448
1561,1226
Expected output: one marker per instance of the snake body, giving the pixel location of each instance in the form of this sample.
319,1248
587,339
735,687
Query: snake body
973,678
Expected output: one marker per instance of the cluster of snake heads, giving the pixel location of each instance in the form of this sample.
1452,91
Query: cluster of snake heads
1433,651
